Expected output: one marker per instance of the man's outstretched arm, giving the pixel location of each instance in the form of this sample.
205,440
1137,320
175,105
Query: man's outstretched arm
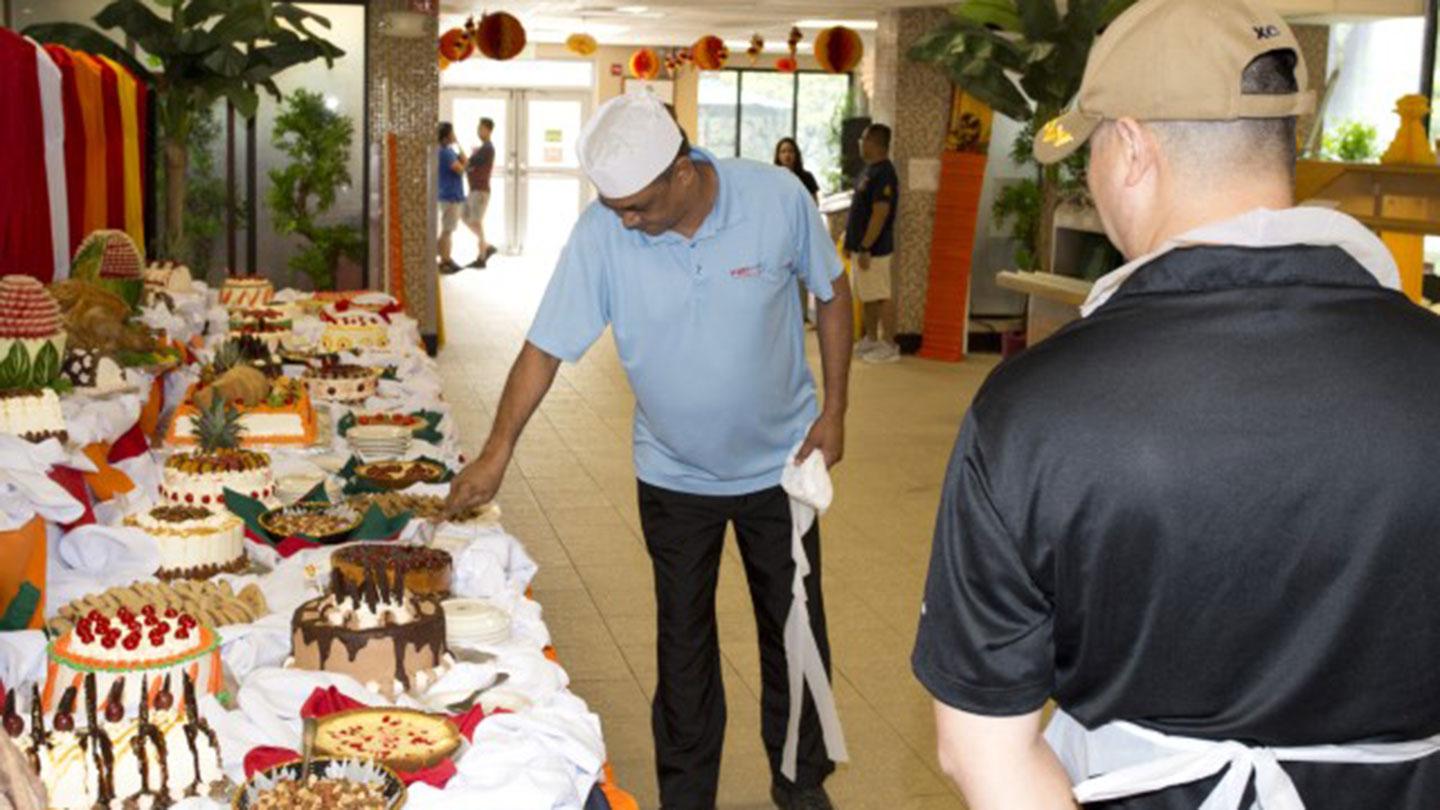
1001,763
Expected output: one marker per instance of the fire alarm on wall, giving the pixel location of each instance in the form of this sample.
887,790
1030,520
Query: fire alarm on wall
616,69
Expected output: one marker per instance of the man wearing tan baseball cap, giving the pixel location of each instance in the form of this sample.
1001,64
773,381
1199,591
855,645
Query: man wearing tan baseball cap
1202,518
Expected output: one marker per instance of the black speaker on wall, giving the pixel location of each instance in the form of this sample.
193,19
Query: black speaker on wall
850,161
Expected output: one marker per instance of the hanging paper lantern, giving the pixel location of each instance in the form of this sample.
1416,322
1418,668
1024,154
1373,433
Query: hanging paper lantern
581,44
644,64
710,52
757,44
444,63
786,64
838,49
500,36
794,39
455,45
671,63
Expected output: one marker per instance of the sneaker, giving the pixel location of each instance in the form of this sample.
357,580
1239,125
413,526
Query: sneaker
882,353
865,346
449,268
800,798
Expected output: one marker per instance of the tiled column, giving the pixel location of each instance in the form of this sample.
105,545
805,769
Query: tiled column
405,99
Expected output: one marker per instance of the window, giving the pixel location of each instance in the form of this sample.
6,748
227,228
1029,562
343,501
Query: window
743,113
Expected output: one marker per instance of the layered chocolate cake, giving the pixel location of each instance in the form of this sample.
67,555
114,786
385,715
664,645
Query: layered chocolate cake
427,570
376,631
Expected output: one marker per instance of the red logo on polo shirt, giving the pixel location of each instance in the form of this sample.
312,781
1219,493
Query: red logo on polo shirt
749,271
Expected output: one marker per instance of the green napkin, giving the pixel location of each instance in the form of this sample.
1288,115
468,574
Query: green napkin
429,433
355,485
21,608
373,525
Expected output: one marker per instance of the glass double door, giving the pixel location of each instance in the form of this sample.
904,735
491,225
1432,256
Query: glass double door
536,187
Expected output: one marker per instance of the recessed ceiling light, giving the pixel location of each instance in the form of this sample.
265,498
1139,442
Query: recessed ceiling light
632,9
858,25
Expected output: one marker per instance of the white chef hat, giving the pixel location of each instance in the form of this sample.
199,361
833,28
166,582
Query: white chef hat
628,143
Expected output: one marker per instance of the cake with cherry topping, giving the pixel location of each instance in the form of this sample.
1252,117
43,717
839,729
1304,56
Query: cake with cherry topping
340,382
151,758
400,739
377,632
200,478
195,542
348,328
129,642
246,291
428,571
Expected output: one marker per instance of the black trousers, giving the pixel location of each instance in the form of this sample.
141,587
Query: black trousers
685,535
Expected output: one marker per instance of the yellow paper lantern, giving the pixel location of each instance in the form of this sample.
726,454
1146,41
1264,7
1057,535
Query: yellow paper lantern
838,49
581,44
444,63
644,64
500,36
455,45
709,52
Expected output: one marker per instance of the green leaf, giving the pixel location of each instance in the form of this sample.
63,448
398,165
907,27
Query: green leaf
997,90
47,366
1039,19
242,24
297,16
84,38
198,11
1000,14
15,369
935,44
246,101
227,60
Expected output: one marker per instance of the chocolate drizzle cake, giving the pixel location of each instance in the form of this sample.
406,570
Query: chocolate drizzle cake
428,571
152,761
375,630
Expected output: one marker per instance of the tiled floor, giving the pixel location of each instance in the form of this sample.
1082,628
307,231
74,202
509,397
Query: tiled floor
570,496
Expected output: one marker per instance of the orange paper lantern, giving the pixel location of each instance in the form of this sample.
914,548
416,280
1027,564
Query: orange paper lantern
786,64
455,45
838,49
581,44
444,63
500,36
644,64
710,52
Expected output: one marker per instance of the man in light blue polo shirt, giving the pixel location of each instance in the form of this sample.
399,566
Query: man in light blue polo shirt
693,262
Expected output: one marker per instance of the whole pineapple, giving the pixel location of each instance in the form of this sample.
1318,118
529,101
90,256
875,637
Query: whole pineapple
217,427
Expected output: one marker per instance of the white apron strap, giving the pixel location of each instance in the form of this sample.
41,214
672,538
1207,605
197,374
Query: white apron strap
1122,759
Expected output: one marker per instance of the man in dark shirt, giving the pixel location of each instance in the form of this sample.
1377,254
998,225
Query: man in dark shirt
869,241
1202,519
477,174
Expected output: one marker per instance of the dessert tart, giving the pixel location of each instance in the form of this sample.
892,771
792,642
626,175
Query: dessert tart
380,634
341,784
195,542
200,478
400,474
246,292
339,382
406,420
421,507
159,755
321,522
428,571
215,604
126,644
399,739
32,415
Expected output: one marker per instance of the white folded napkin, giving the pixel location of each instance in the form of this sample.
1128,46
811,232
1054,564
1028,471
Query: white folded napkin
25,487
22,658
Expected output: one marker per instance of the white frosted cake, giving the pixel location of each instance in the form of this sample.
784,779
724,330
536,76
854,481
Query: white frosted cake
195,542
353,328
200,479
32,415
127,644
342,383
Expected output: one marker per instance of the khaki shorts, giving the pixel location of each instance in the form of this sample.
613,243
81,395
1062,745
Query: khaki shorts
475,204
873,284
450,216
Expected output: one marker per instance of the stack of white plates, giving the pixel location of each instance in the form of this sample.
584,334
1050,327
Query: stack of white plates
475,622
293,487
376,442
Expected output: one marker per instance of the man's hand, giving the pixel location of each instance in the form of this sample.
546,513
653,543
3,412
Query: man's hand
862,259
828,436
476,485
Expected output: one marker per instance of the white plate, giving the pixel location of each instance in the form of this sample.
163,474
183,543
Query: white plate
378,433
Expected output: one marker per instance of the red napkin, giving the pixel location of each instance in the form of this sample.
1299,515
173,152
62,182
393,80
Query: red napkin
130,444
327,701
287,547
73,482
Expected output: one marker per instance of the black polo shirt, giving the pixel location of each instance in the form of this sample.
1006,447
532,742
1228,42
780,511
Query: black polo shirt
877,183
1212,508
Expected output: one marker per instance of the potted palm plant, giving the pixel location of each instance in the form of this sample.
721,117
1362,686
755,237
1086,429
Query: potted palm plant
1025,58
197,52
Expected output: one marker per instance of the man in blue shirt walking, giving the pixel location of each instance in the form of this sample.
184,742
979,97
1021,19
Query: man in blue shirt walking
451,168
693,262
